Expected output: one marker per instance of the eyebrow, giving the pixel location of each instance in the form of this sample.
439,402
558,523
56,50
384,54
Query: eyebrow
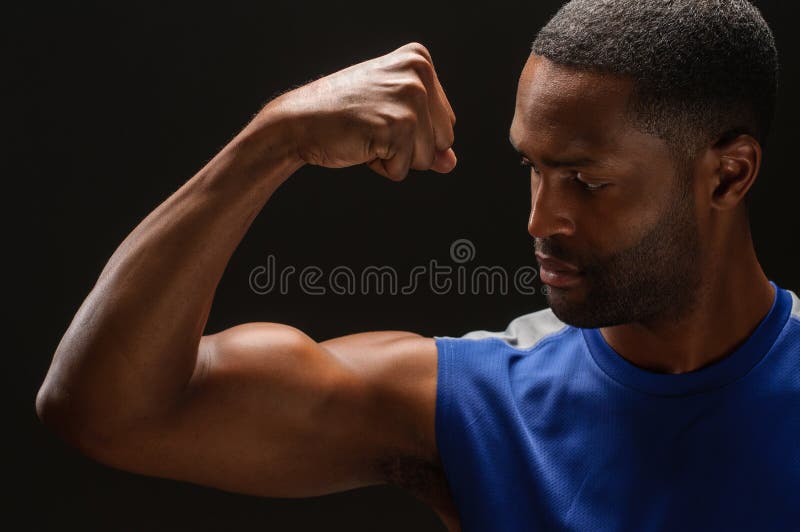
552,163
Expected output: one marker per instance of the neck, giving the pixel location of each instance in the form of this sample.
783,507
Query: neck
726,311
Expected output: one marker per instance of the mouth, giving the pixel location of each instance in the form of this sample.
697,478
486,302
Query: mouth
556,273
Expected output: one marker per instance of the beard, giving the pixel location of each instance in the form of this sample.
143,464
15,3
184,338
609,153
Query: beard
655,279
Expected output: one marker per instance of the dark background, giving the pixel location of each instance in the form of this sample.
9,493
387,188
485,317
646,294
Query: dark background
113,106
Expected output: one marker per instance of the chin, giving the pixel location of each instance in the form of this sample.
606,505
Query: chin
571,315
566,306
579,310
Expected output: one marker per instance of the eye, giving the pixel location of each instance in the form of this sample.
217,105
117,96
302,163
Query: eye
527,164
591,187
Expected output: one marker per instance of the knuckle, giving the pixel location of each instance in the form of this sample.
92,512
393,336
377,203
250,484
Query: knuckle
404,125
407,119
419,62
413,89
418,48
393,124
400,115
423,68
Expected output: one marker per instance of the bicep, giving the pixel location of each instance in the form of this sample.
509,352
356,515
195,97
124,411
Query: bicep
271,412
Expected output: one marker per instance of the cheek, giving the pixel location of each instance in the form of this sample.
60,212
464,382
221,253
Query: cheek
701,213
616,222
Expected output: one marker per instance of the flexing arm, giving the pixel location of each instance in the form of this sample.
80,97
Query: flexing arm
260,408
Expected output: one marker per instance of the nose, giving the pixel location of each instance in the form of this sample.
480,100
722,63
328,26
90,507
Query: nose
549,212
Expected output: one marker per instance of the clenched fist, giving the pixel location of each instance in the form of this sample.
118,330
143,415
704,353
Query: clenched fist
389,112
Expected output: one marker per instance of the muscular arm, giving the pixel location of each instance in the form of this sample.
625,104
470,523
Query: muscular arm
132,347
260,408
273,413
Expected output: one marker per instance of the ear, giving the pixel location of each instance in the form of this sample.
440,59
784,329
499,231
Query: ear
736,161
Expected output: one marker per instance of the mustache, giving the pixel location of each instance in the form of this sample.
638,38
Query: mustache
555,250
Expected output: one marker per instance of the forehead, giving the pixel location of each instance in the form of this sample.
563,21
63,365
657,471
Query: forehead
559,108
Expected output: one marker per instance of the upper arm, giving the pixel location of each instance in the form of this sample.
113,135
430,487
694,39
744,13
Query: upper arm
271,412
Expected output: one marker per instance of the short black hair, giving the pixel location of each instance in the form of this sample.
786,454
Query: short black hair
703,70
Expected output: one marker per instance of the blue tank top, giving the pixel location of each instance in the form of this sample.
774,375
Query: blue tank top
544,426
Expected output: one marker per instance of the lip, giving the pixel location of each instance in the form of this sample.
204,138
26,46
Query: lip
558,279
555,273
555,265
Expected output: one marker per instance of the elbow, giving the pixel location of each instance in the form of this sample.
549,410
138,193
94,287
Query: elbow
104,442
50,407
59,413
75,429
58,407
55,412
44,405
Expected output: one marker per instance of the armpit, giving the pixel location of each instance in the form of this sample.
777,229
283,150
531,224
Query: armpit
426,481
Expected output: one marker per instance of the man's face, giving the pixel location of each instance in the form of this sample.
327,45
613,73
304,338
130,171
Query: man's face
605,199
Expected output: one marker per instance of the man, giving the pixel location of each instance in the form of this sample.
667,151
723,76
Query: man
660,390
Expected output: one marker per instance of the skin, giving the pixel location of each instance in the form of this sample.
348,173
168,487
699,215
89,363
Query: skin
668,271
262,408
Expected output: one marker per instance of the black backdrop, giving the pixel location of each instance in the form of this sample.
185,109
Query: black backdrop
113,106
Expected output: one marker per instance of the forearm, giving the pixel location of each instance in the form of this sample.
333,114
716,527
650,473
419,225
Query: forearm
132,346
